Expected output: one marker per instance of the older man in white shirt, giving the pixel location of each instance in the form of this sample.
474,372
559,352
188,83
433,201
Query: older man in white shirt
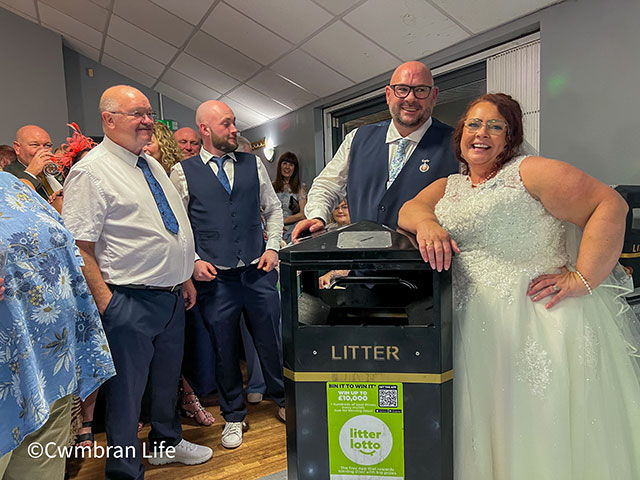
134,235
224,192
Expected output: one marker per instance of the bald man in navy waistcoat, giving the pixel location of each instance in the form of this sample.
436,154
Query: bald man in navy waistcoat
379,167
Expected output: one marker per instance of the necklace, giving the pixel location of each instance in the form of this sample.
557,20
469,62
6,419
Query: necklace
491,174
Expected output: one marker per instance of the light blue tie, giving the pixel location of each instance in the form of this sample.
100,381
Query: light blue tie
222,175
398,161
168,218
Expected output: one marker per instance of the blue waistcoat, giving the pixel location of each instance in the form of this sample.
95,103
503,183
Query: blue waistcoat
226,228
368,196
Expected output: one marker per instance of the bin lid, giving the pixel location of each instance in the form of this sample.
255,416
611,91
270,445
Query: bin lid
361,241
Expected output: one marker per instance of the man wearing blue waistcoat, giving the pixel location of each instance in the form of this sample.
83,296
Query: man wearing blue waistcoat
379,167
224,192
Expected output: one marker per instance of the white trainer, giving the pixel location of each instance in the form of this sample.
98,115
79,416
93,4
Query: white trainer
185,452
232,434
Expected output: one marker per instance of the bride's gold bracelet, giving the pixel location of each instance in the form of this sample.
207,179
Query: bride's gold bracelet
584,280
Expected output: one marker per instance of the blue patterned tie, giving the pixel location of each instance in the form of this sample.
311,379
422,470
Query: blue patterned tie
222,175
398,161
169,219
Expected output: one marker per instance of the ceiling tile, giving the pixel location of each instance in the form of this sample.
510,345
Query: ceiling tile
311,74
103,3
240,125
69,26
276,87
81,47
127,70
203,73
245,35
154,20
191,11
359,59
132,57
221,56
178,96
411,29
140,40
189,86
337,6
24,8
293,20
259,102
246,115
487,14
90,14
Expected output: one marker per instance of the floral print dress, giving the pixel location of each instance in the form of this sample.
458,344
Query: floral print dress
52,343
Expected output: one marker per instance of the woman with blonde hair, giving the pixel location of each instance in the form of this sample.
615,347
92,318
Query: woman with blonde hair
163,147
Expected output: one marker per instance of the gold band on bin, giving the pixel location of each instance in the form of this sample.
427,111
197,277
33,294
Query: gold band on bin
376,377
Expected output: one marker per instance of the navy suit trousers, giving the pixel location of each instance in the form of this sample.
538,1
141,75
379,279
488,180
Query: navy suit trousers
251,292
145,329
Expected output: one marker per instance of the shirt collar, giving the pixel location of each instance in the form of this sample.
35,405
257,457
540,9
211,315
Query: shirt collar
122,153
206,156
415,137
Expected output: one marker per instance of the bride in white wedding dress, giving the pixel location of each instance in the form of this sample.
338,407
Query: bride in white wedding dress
546,365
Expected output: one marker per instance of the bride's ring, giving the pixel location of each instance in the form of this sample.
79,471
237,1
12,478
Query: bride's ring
429,244
556,288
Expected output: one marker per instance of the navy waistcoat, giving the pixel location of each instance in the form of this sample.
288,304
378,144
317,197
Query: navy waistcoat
226,228
368,196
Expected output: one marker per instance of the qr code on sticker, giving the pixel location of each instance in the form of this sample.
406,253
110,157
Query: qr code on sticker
388,396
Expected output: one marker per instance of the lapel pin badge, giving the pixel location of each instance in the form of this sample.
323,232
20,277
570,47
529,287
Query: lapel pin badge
425,165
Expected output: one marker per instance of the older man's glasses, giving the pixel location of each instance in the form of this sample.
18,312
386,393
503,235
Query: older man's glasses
138,115
493,127
419,91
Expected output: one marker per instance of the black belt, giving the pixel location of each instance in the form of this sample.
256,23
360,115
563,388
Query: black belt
148,287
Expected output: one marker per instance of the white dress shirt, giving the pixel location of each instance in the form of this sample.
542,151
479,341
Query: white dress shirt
107,200
330,187
269,202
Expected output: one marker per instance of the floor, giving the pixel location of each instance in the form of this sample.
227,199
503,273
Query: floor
262,454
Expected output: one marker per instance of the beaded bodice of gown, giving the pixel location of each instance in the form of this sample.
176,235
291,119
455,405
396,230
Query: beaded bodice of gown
502,231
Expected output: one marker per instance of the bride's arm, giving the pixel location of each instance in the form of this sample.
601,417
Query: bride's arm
417,216
572,195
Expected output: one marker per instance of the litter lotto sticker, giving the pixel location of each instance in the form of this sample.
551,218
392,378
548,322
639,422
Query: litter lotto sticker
366,431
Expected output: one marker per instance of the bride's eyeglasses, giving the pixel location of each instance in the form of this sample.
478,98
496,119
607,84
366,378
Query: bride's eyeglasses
493,127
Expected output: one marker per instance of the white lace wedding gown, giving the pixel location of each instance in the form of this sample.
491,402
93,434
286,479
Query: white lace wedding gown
538,394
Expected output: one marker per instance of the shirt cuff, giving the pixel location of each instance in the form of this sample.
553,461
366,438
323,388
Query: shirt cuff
273,244
316,213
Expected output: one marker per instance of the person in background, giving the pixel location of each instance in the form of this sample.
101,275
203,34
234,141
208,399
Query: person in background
290,191
545,353
52,341
163,147
135,237
381,166
7,156
339,218
33,150
189,141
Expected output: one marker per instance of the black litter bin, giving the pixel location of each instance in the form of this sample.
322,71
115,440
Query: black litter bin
368,362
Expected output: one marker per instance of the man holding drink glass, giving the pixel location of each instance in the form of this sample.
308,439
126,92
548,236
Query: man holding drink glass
33,150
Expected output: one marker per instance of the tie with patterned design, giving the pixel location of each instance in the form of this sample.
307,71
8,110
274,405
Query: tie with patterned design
398,161
222,175
169,219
